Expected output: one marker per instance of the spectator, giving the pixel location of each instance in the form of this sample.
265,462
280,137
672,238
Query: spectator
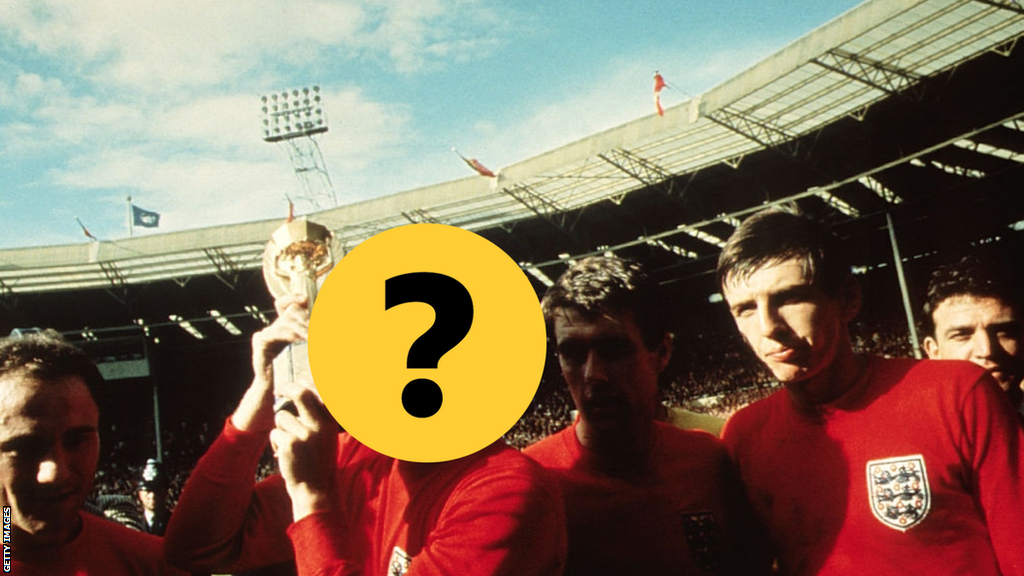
120,508
153,496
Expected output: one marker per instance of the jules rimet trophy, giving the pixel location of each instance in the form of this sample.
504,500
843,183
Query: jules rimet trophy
297,260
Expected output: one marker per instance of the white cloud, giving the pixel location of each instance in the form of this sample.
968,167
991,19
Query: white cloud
159,46
217,122
29,89
47,115
189,191
412,32
362,131
155,44
206,164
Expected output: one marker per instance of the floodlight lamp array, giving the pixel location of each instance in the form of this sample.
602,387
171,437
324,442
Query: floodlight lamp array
292,114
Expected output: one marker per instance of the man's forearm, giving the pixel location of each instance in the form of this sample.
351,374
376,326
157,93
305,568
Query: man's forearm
255,412
222,521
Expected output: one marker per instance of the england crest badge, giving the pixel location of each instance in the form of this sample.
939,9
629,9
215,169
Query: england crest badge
898,491
400,562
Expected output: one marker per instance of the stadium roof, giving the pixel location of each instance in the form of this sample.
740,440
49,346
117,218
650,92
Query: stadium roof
894,108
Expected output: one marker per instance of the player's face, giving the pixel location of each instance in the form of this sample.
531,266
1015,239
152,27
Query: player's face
985,331
49,447
612,375
791,324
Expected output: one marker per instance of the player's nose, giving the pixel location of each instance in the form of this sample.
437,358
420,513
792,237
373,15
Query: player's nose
53,468
981,345
594,368
769,321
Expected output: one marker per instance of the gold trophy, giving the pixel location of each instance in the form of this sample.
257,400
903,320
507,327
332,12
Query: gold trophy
297,260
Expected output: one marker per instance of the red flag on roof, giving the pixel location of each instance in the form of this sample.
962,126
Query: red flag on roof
476,165
86,231
659,83
291,210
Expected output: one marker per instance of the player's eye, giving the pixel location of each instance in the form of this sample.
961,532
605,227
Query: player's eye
572,353
743,310
1008,333
612,350
23,448
77,439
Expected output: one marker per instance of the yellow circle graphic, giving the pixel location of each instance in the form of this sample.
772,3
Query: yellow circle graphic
427,342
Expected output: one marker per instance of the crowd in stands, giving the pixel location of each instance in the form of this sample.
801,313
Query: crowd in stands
714,375
549,412
886,339
124,455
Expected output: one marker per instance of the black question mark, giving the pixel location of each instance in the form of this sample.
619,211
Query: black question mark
453,316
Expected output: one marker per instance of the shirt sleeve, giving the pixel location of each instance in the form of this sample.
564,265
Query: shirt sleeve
224,521
500,524
749,548
756,552
319,542
499,520
991,444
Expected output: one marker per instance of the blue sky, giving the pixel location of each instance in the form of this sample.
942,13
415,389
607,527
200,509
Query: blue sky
160,100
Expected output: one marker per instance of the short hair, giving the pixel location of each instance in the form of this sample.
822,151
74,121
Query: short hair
47,356
599,284
781,233
969,275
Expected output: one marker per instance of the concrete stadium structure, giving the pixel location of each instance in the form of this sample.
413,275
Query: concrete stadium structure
900,119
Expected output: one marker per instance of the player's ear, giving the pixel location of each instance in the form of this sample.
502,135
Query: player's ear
664,351
931,347
850,297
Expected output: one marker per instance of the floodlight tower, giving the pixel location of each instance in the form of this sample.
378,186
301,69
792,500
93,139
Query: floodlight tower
294,119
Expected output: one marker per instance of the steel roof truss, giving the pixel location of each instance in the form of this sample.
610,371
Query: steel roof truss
878,75
881,190
1006,48
7,296
755,129
643,170
545,208
227,270
118,286
1011,5
421,216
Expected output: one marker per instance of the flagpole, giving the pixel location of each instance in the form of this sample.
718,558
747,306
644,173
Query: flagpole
131,231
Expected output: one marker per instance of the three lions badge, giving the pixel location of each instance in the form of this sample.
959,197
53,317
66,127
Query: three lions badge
898,491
